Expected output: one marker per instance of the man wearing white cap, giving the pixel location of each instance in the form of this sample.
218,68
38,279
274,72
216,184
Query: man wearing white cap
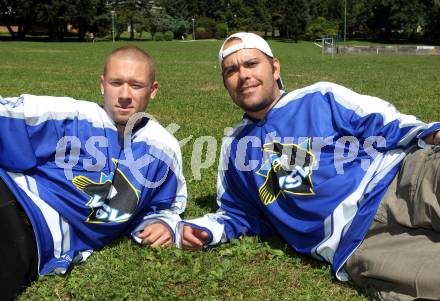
342,177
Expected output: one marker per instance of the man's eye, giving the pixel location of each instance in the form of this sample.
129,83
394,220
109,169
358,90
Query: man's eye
115,83
229,71
136,86
252,64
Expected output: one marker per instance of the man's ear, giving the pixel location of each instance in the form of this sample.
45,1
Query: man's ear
276,69
101,85
154,89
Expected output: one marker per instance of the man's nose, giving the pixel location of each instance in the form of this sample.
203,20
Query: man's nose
243,72
124,97
125,91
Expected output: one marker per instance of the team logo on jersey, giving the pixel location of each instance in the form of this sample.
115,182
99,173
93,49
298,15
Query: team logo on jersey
112,199
287,170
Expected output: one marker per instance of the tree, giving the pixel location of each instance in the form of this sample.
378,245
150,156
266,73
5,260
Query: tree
294,19
177,16
396,18
318,8
261,15
101,22
276,8
335,10
358,14
432,21
321,27
127,14
19,13
84,15
56,15
177,9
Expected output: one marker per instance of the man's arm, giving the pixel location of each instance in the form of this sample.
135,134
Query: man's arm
239,212
16,151
164,192
193,238
156,235
34,128
156,222
364,117
235,217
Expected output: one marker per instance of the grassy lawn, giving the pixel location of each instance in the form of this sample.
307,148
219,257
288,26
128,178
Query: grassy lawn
192,96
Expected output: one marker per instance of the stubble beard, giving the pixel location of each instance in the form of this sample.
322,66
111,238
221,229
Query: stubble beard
265,103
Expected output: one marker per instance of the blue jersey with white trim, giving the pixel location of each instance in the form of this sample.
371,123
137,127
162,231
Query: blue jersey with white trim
313,171
80,184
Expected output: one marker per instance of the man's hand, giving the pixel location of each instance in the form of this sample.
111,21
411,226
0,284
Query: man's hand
193,238
156,235
433,138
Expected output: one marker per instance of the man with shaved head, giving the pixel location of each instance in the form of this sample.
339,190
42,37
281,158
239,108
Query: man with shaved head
74,176
135,67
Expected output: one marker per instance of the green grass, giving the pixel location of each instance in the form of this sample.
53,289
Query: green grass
192,95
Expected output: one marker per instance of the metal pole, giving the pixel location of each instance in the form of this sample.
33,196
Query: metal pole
113,25
345,20
194,33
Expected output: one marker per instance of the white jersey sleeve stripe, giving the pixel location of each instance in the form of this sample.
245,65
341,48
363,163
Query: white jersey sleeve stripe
362,105
33,109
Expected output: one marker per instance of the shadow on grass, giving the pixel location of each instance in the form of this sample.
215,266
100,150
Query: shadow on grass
276,242
207,202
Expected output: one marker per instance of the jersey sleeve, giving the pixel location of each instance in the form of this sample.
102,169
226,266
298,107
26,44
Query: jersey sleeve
30,131
237,215
35,128
165,193
16,149
366,117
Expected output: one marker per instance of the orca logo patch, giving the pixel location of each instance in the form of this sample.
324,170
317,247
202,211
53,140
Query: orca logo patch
287,170
113,199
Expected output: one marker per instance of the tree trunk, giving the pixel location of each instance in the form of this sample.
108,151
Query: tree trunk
81,33
21,31
131,30
11,32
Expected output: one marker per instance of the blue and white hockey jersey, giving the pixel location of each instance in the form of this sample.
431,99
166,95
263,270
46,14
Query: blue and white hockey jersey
313,171
79,183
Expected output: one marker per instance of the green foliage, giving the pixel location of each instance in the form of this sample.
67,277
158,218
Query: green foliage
202,33
168,35
432,22
158,36
148,36
20,13
192,95
294,19
321,27
410,20
206,27
180,28
221,30
162,21
176,8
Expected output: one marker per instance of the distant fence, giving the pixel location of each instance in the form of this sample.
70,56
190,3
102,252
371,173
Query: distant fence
409,50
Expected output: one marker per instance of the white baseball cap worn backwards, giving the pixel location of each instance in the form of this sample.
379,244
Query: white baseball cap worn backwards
248,41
